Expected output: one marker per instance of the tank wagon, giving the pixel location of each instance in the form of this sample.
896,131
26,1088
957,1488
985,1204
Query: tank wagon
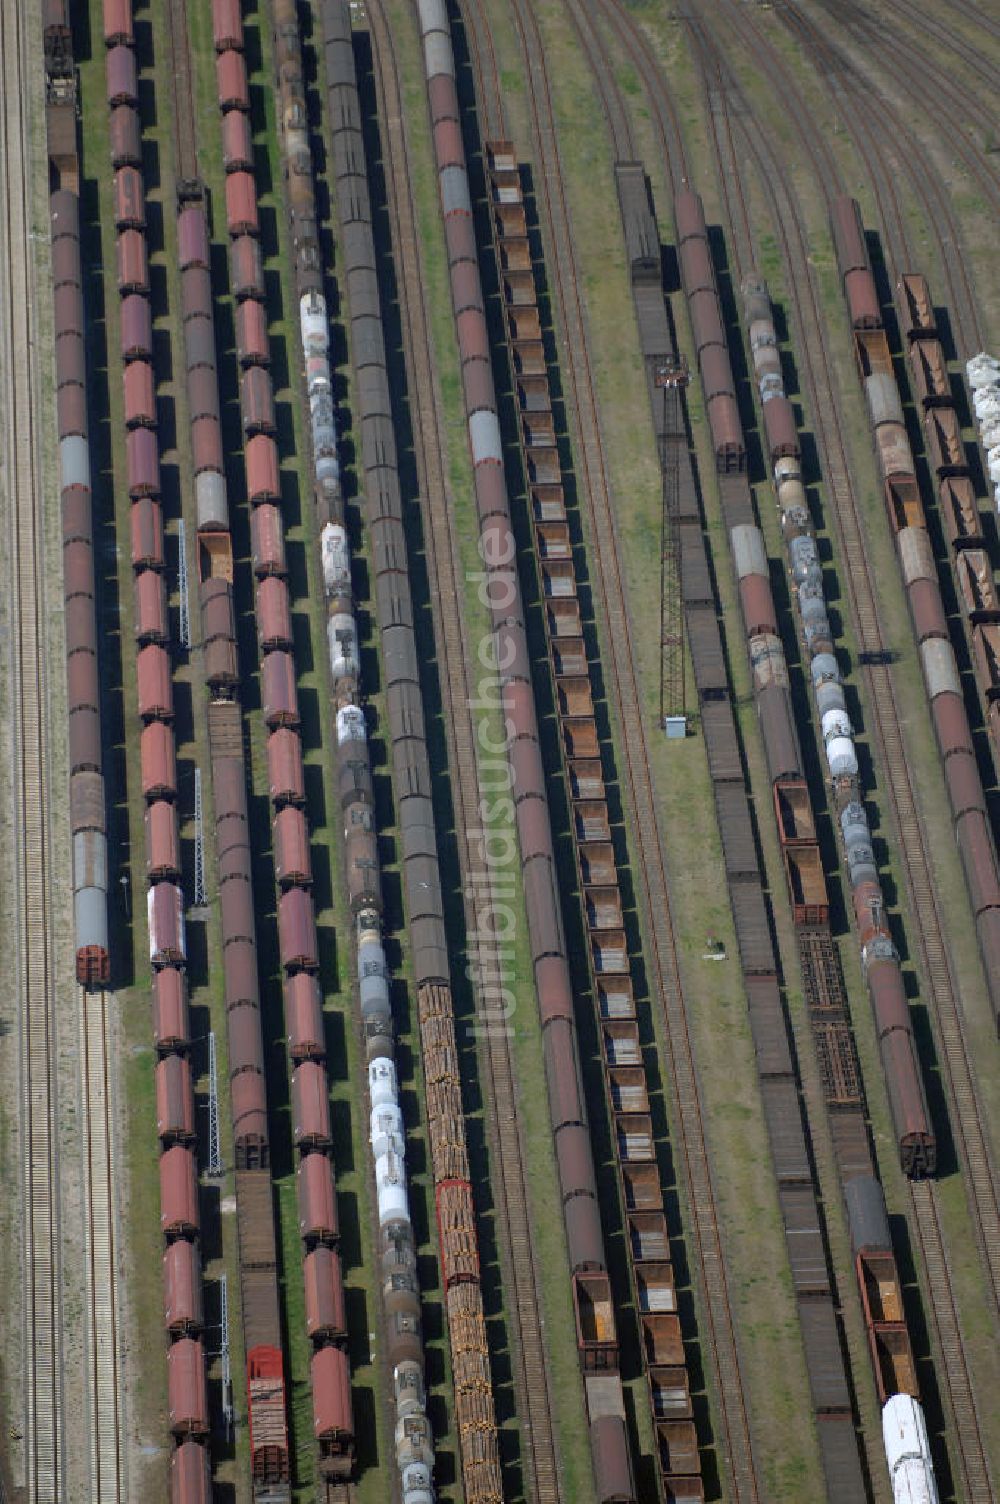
568,1117
175,1111
875,1264
946,459
88,822
627,1098
830,1392
331,1395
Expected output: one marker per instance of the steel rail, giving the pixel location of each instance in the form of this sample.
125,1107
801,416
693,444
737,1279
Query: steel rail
45,1440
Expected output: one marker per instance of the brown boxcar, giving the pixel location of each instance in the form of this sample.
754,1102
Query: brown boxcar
249,1107
258,400
241,205
206,445
190,1474
324,1295
122,77
187,1388
245,1047
779,427
227,25
862,300
71,409
310,1106
171,1030
133,272
179,1193
136,328
151,623
165,912
317,1202
263,480
274,616
246,268
140,395
183,1308
163,852
126,137
203,393
118,23
199,346
304,1017
129,199
237,142
297,930
196,293
333,1421
284,767
155,686
292,861
689,216
158,762
267,536
278,692
251,329
192,242
231,81
848,235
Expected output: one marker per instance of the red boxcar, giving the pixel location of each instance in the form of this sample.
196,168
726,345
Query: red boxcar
182,1293
333,1420
163,856
187,1388
292,863
297,930
171,1030
317,1201
179,1193
324,1295
284,767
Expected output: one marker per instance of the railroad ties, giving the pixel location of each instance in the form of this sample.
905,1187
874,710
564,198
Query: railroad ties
626,1087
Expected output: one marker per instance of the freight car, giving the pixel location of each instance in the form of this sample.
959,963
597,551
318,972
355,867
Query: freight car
906,514
296,915
475,1413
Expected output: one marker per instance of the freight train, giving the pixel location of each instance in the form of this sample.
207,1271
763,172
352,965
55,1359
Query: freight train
946,459
88,819
189,1419
414,1446
880,960
475,1411
333,1422
568,1115
875,1264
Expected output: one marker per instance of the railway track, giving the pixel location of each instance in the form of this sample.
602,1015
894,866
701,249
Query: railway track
861,589
509,1179
865,120
107,1475
966,1117
44,1438
718,1325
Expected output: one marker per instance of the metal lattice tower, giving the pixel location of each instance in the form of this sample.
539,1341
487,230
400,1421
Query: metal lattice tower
182,572
214,1166
671,378
227,1380
199,845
